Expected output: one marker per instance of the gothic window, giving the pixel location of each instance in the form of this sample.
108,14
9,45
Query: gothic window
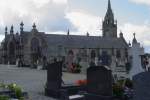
93,54
83,52
104,53
35,50
118,54
60,48
126,53
112,51
12,53
35,45
105,58
70,58
70,52
11,49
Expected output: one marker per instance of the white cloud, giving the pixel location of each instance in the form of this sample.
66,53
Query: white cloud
49,14
142,33
60,1
147,2
85,22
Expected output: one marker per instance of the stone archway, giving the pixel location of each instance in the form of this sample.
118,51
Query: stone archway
36,52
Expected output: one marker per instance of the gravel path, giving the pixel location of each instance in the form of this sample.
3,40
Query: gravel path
32,80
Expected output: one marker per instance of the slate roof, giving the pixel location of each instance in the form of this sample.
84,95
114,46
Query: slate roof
78,41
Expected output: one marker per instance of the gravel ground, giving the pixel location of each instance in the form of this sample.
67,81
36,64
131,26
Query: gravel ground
32,80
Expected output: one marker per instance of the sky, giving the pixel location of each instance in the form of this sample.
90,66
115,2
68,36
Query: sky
79,16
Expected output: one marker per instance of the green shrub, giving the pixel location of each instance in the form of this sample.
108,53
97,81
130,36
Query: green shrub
2,85
121,82
2,97
117,90
21,98
18,92
16,89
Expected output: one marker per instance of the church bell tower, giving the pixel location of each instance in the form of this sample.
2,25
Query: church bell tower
109,25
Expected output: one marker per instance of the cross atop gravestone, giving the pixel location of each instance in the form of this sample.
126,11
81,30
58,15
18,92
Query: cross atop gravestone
99,81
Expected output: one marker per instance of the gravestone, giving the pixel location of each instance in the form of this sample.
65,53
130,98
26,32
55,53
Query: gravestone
99,83
54,79
141,83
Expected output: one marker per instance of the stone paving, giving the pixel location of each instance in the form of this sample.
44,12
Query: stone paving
32,80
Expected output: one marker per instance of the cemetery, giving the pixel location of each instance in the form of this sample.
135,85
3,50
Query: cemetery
37,65
99,85
55,84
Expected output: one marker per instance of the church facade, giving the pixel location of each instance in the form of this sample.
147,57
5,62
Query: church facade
34,47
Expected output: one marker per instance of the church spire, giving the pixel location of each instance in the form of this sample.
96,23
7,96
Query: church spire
109,24
109,14
109,5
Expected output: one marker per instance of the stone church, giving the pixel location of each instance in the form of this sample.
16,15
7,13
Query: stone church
34,47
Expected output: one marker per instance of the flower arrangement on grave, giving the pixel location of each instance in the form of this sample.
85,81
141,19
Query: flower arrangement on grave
118,89
75,68
15,91
81,82
123,89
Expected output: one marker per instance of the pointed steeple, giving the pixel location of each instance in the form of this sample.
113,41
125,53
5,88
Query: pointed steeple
21,27
109,24
134,39
129,43
12,30
109,5
68,32
121,34
34,26
6,31
109,14
87,34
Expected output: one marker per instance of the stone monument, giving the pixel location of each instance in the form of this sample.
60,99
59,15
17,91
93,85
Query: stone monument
99,83
54,79
135,53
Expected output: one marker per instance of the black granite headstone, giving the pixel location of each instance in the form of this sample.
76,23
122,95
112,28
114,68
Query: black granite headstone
54,79
99,81
141,83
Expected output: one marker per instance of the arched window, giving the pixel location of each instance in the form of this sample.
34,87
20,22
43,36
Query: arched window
12,56
35,45
118,54
70,52
93,54
11,49
35,50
